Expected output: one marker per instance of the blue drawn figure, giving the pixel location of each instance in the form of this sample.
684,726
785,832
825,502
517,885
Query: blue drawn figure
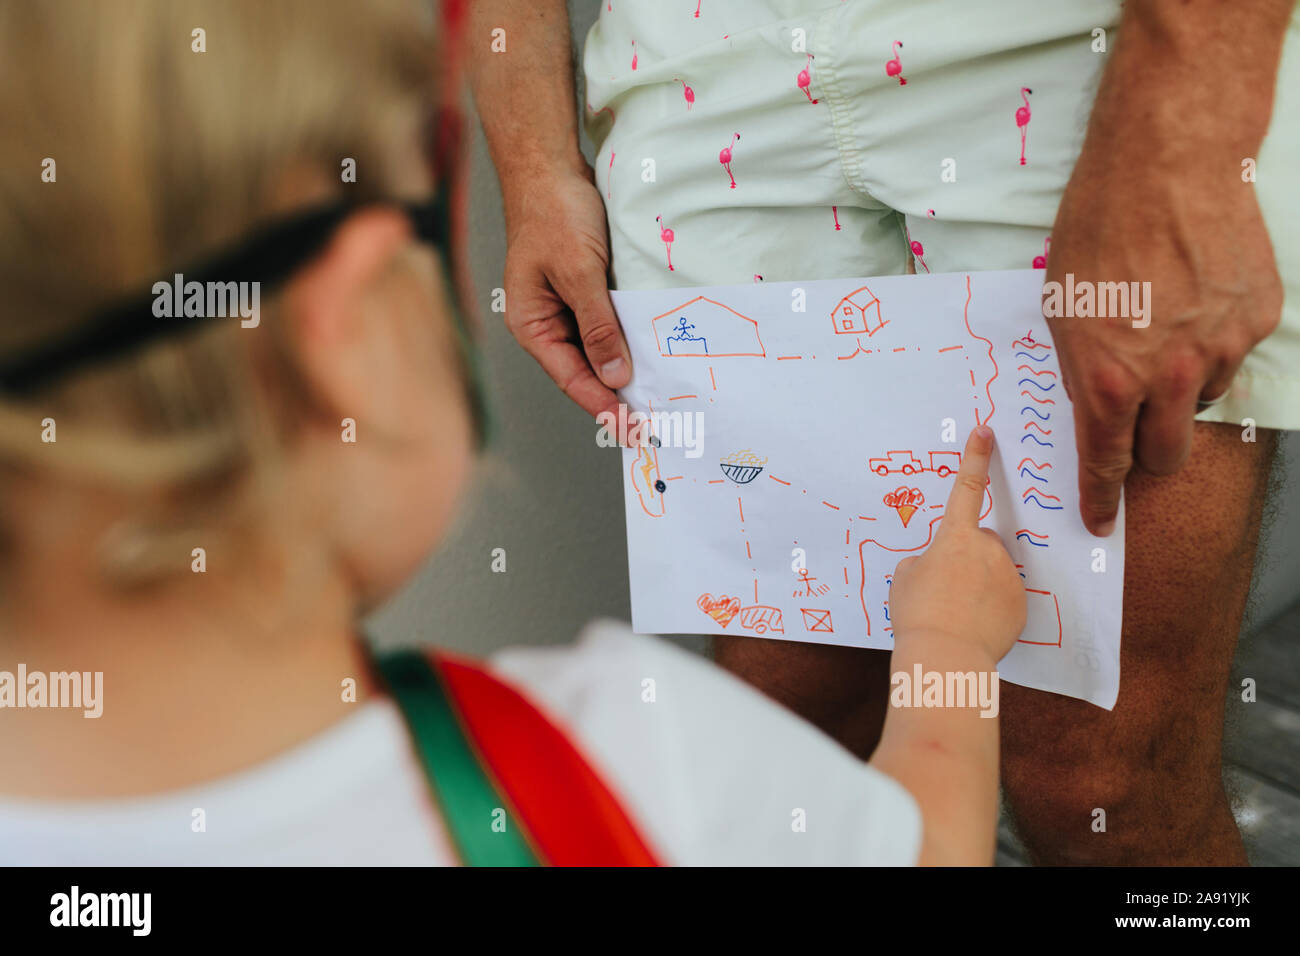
683,334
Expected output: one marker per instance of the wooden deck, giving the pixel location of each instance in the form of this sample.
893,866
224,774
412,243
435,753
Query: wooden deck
1262,748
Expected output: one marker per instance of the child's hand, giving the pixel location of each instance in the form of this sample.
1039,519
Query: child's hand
965,586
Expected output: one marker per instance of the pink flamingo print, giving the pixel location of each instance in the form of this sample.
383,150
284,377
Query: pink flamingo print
918,250
724,157
697,8
929,214
686,92
835,211
804,79
1040,262
894,67
757,278
666,237
609,177
1023,116
634,54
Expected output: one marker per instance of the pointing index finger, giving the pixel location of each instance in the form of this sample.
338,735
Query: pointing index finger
967,497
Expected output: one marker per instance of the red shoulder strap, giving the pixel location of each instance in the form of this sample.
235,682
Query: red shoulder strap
571,815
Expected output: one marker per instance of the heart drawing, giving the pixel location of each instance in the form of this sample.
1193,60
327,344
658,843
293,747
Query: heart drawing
721,609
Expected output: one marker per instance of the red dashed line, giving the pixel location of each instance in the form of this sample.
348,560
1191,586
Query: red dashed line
829,505
674,398
865,518
716,481
742,509
950,348
748,554
787,358
775,478
901,348
712,379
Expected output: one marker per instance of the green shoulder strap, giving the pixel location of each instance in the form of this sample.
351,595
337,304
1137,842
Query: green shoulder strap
466,795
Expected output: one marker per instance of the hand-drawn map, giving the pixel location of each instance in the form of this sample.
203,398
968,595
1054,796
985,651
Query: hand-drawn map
802,440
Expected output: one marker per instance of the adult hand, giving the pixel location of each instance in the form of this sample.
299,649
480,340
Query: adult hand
557,292
1157,197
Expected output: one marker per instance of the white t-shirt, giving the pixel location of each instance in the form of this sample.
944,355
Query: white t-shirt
713,772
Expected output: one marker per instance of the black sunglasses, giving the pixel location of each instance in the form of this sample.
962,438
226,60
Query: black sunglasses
268,258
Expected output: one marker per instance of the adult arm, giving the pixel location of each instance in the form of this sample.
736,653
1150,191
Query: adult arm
557,247
1157,195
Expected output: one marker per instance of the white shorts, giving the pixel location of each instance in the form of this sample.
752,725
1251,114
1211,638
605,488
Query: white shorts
836,149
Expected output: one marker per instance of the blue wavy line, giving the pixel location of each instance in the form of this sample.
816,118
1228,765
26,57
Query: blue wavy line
1041,417
1032,475
1041,358
1032,382
1036,544
1045,444
1034,499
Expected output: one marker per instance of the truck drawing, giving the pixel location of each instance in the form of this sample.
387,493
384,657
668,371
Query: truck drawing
945,463
942,463
895,462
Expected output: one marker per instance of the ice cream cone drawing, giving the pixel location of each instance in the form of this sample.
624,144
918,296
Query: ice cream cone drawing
742,467
722,609
906,501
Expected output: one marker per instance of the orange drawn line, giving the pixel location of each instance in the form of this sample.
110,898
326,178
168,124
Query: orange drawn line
716,481
846,535
901,348
865,518
1029,425
1040,401
1031,345
742,509
775,478
829,505
673,398
675,478
785,358
712,379
755,590
1034,463
1059,629
748,553
972,376
950,348
1038,371
1033,490
988,388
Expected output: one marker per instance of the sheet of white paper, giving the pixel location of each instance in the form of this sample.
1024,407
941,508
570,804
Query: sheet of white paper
806,435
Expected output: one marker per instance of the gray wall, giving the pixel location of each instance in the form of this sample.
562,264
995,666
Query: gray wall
553,499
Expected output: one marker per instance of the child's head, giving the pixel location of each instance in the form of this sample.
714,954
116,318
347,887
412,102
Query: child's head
138,140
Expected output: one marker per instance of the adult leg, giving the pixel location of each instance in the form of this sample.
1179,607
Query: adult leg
1153,764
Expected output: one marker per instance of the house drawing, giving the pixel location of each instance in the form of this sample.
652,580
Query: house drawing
858,313
705,327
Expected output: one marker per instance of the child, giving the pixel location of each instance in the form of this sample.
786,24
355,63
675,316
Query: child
205,489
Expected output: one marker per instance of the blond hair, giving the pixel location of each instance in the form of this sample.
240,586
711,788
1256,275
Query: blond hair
163,155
